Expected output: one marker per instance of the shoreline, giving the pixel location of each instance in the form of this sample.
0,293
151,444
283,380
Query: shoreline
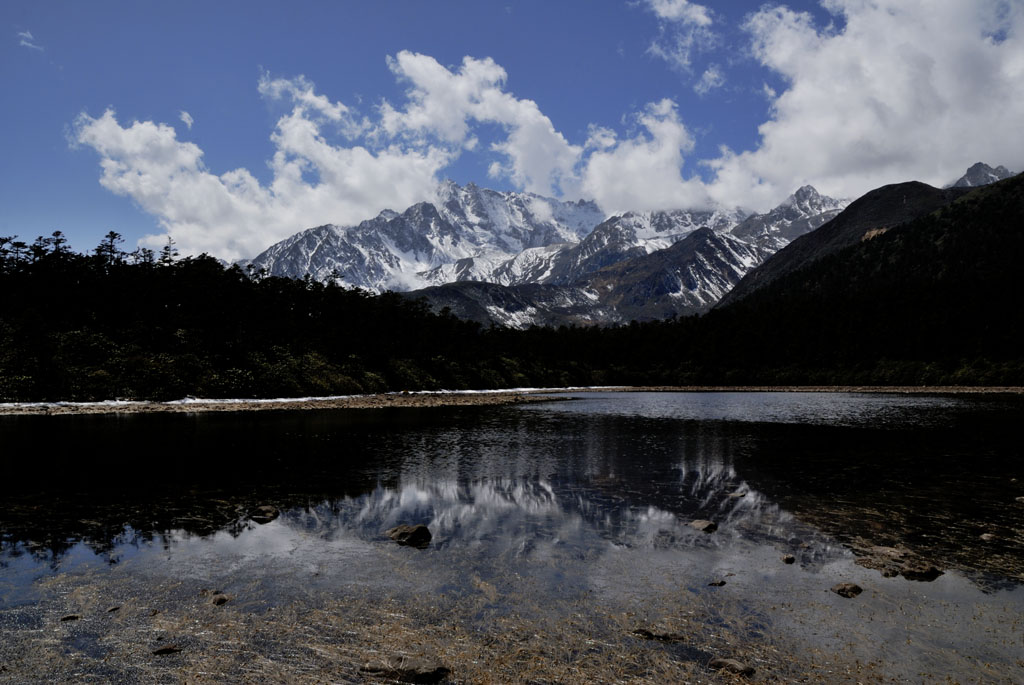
453,399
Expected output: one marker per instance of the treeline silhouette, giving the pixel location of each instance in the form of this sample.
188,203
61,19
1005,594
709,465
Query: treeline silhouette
935,301
144,325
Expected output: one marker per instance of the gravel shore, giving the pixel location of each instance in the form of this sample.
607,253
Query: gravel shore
449,399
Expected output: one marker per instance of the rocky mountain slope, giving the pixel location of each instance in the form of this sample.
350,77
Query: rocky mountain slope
470,234
687,277
981,174
802,212
865,218
463,235
944,286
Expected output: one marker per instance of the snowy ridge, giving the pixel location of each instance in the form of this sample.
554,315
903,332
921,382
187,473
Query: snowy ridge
465,234
599,270
801,212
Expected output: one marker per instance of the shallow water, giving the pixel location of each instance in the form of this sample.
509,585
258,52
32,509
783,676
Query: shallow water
571,511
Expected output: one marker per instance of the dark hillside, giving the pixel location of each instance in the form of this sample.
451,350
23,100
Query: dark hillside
944,289
878,210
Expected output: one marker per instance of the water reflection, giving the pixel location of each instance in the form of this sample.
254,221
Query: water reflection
613,469
543,514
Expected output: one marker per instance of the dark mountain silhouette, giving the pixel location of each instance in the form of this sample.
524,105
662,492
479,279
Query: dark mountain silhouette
865,218
943,288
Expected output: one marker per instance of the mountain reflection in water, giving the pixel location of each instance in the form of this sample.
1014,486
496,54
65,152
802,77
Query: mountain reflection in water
545,513
630,470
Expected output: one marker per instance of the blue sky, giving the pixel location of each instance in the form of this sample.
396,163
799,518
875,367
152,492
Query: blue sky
231,125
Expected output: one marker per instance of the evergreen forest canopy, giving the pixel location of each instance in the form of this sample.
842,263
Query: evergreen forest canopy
935,301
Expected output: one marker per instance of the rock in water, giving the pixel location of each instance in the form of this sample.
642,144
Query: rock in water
704,526
731,665
660,637
164,651
265,514
848,590
413,536
897,561
406,669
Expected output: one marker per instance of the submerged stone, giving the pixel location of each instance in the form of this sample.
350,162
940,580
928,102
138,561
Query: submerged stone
265,514
731,665
897,561
848,590
660,637
169,649
704,525
413,536
407,669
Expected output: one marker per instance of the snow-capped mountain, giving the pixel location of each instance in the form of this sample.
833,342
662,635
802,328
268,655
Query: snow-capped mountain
981,174
646,264
801,212
629,235
465,234
687,277
620,237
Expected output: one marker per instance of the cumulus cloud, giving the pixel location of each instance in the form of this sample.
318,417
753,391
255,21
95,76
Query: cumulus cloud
186,119
443,104
644,171
232,215
27,40
309,105
907,89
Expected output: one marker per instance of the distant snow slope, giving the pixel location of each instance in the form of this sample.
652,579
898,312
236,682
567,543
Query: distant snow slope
606,269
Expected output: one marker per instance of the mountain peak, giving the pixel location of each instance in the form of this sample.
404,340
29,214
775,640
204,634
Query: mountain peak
981,174
803,194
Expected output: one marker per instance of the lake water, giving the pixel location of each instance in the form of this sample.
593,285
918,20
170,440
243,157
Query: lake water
559,529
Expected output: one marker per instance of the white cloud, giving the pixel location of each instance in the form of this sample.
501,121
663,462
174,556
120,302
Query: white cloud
186,119
644,172
541,209
443,104
711,79
28,40
680,10
684,28
232,215
392,162
907,89
309,105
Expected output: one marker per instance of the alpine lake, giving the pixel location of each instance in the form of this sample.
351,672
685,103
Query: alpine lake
247,546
